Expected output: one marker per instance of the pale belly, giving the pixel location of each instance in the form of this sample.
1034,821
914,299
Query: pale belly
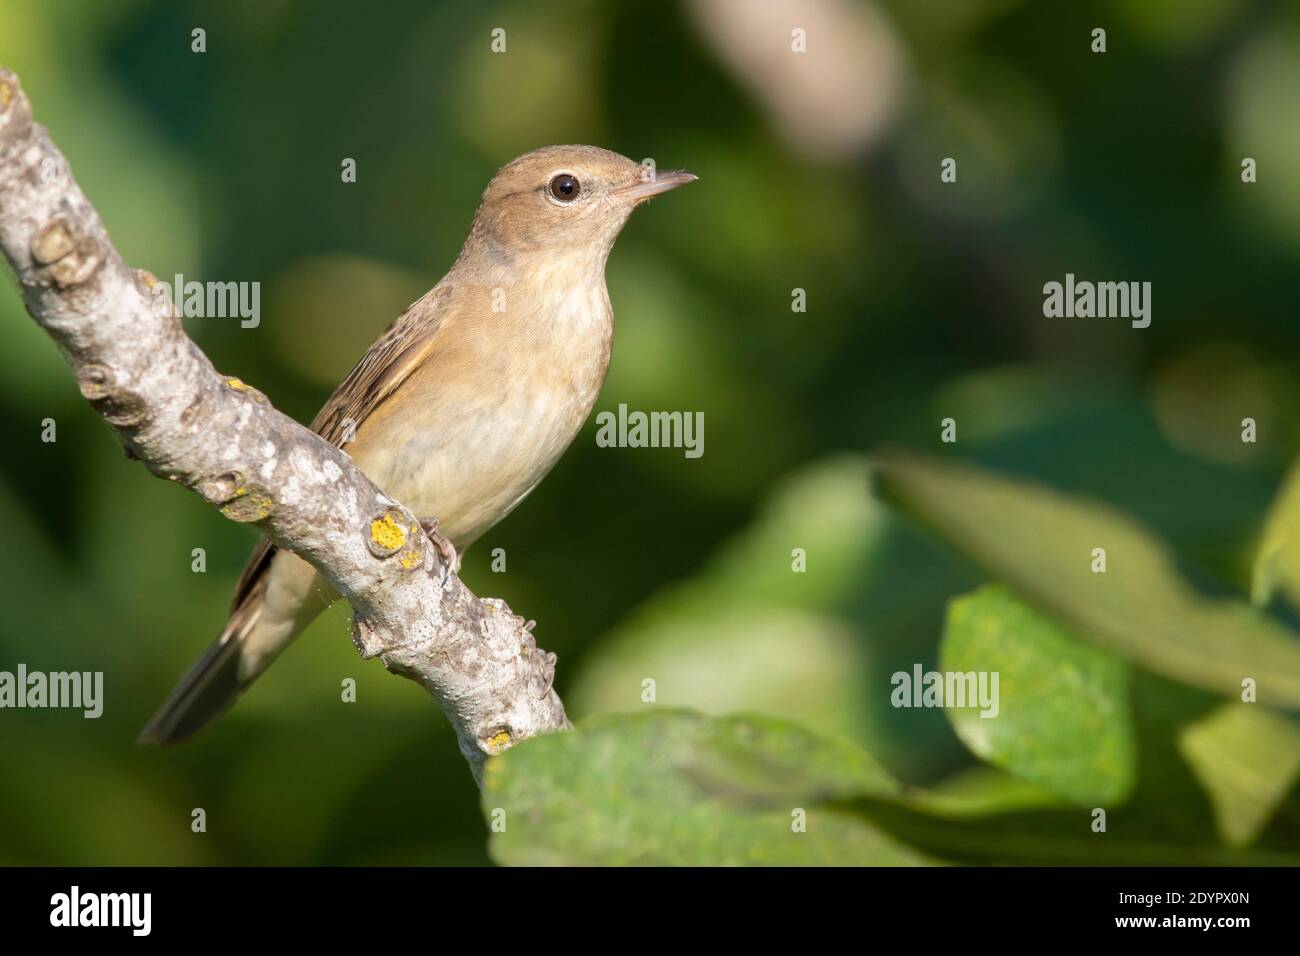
469,465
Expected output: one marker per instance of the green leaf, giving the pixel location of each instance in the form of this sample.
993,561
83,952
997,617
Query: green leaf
1062,716
982,791
674,787
1247,758
1277,564
1041,543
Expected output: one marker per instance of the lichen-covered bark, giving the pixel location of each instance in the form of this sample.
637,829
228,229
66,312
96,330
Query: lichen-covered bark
220,437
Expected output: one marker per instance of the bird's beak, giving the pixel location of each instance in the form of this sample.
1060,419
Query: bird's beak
663,181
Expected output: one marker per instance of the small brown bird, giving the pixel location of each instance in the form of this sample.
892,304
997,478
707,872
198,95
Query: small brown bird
462,406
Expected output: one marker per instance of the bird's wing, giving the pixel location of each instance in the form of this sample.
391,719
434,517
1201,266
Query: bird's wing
386,364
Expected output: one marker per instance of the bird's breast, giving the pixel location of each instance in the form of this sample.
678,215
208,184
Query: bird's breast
477,426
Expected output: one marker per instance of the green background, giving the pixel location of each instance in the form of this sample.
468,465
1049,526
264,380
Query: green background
924,301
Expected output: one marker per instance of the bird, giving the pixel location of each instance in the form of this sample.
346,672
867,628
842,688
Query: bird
462,406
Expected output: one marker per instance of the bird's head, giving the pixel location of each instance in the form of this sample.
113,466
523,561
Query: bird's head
566,198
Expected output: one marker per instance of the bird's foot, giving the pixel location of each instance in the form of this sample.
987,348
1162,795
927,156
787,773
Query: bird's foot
442,543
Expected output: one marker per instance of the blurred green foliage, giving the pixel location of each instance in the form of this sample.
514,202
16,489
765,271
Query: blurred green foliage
1087,748
924,302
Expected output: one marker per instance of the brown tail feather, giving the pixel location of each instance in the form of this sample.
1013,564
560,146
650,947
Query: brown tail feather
209,688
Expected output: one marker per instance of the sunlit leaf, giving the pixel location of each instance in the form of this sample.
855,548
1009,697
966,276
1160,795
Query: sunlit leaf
1060,717
1247,758
1277,563
982,791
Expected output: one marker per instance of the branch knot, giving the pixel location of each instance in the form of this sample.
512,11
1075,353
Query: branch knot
391,534
70,260
95,381
119,407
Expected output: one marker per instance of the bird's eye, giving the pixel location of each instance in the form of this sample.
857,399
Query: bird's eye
565,188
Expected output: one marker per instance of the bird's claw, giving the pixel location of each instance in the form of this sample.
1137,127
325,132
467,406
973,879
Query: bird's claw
442,543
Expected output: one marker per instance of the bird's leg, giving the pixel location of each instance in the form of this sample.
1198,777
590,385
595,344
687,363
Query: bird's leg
442,543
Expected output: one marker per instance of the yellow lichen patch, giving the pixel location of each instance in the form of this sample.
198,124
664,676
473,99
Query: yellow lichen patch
238,384
386,533
247,507
412,555
498,741
6,94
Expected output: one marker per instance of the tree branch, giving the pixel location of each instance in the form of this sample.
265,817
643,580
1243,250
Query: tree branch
221,438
